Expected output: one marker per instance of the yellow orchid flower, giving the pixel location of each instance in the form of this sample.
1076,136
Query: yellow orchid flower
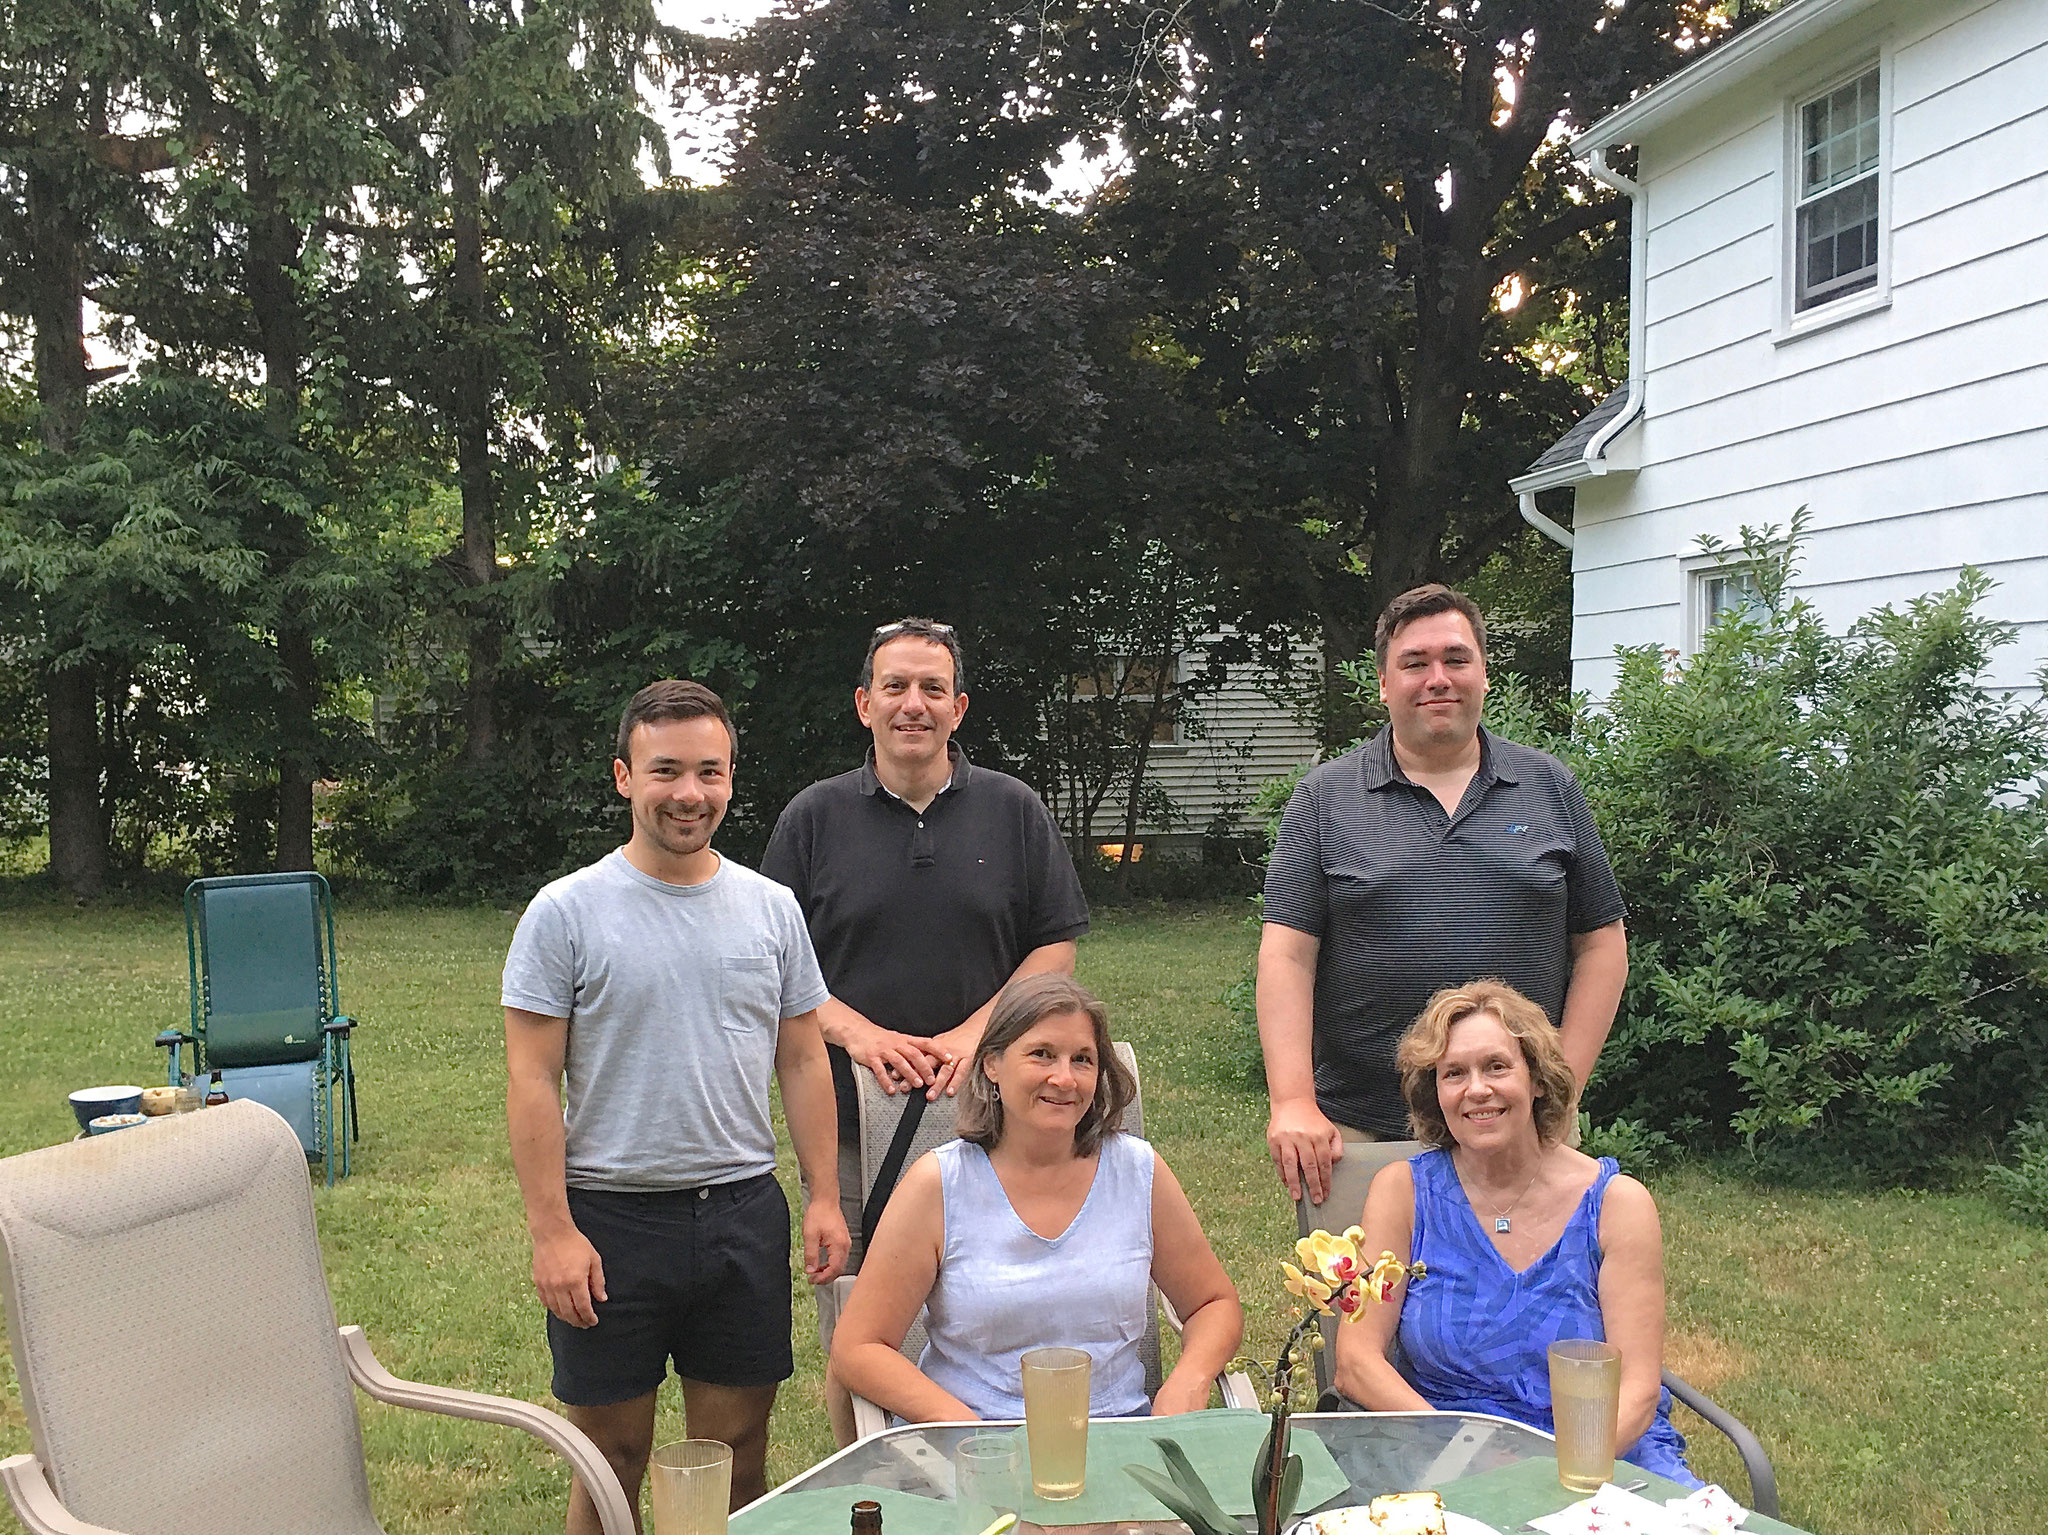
1308,1287
1336,1259
1387,1273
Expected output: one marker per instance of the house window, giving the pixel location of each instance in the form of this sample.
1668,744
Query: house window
1719,590
1837,210
1138,695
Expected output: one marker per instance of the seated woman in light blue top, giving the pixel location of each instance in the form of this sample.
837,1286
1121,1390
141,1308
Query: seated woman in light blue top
1042,1225
1525,1240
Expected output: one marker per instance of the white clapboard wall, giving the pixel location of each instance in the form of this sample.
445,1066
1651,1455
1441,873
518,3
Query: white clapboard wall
1916,432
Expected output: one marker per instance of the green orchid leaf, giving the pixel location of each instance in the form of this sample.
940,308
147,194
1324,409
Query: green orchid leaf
1170,1495
1290,1488
1190,1482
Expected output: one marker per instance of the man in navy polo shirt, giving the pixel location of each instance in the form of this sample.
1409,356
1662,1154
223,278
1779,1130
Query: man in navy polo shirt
1434,854
927,884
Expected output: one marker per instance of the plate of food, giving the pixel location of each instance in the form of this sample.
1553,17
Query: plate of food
1398,1513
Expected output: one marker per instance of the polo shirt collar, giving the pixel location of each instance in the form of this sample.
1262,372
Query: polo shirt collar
871,782
1378,769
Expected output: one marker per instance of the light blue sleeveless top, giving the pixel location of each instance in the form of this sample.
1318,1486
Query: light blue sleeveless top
1475,1335
1002,1288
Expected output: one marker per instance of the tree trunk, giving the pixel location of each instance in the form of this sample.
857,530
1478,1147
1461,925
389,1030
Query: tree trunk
297,764
275,246
472,421
78,832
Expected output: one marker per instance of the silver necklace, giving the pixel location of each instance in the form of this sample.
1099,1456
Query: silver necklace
1501,1224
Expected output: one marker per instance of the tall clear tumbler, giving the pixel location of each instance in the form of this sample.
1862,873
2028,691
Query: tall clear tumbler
1056,1420
1585,1402
692,1487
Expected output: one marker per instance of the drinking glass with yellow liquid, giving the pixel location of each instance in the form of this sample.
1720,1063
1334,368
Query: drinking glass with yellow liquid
1585,1404
692,1487
1056,1420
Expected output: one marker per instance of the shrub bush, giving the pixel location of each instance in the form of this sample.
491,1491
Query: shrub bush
1835,857
2024,1185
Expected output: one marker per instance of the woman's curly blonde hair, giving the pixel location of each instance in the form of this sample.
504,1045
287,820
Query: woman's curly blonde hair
1427,1039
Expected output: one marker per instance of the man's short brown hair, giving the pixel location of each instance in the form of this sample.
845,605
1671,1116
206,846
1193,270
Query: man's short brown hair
1550,1075
672,699
1425,602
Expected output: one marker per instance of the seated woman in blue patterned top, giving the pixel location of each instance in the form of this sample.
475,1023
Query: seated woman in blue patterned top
1525,1240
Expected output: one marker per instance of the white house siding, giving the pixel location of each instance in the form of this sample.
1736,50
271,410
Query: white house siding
1249,735
1916,435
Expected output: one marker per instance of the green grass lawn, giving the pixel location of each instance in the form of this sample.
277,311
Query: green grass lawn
1889,1348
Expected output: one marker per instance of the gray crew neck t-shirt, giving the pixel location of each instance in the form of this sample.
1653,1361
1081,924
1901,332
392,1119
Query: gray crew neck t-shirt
674,996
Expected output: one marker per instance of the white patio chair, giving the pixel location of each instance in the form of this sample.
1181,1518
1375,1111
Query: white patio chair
143,1424
879,1114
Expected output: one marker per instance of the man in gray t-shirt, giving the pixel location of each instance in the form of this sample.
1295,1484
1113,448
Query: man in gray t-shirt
667,984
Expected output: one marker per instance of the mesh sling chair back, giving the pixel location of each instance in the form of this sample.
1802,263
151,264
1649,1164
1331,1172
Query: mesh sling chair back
138,1429
1344,1205
260,953
879,1116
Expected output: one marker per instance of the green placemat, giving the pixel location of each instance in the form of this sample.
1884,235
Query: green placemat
1221,1443
829,1511
1507,1497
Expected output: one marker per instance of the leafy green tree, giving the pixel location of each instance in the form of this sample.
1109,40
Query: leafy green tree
1317,213
489,281
77,77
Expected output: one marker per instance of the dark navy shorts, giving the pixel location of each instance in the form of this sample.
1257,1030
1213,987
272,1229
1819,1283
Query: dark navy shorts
700,1276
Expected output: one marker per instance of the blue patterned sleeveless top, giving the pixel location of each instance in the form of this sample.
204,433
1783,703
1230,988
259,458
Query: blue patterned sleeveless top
1475,1334
1002,1288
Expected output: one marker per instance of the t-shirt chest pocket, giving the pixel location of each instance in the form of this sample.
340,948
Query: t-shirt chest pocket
750,992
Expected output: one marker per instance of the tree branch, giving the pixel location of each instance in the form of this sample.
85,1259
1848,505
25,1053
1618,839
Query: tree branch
1537,241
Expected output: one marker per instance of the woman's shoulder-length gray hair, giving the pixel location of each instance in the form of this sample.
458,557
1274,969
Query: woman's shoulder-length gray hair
1019,1006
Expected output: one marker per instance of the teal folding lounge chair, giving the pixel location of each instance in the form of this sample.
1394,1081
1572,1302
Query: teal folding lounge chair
260,950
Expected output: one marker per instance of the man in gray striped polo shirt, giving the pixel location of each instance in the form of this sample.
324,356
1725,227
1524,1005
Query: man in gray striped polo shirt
1432,855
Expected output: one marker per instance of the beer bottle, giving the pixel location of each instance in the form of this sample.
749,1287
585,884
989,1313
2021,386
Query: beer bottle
217,1092
867,1517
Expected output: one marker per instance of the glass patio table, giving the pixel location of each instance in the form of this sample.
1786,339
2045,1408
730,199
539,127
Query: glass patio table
1499,1472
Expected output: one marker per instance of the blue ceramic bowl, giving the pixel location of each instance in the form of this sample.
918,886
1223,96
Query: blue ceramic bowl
89,1103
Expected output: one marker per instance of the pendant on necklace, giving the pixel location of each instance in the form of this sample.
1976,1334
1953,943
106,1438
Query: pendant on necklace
1500,1224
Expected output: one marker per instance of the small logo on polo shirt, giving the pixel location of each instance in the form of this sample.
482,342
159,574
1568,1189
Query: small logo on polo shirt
1518,828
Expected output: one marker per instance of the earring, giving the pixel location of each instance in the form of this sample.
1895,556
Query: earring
997,1091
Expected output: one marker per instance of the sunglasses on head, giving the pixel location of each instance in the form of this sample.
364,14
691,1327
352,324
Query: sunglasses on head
882,631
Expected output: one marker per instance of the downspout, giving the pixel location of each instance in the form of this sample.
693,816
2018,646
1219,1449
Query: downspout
1638,298
1553,531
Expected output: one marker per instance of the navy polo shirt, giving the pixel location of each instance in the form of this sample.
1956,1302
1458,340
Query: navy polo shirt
919,917
1407,900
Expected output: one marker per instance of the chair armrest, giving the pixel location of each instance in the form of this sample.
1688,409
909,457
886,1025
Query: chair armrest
1763,1481
340,1023
35,1501
614,1513
1237,1387
868,1419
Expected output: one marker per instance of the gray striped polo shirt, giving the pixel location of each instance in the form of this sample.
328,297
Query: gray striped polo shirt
1407,900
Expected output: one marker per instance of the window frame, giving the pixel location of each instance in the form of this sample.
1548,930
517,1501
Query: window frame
1121,669
1792,321
1698,571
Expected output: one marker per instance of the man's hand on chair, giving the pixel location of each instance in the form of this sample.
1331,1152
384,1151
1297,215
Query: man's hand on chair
901,1063
1305,1145
568,1275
